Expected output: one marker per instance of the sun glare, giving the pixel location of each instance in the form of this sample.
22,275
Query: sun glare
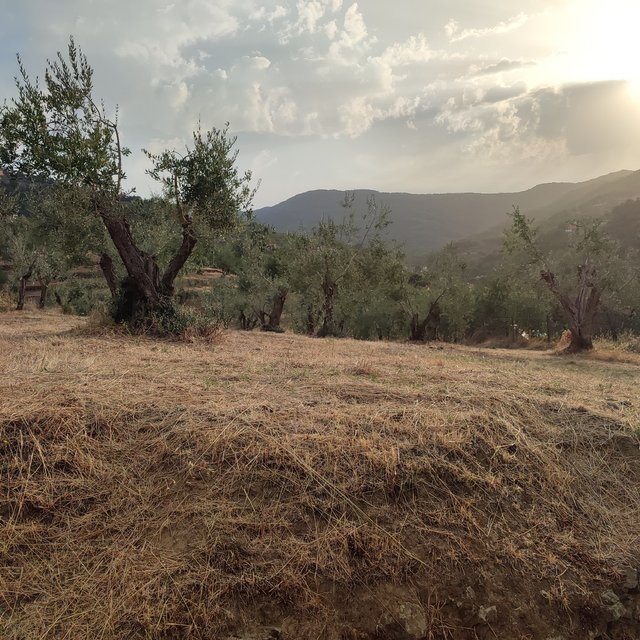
606,41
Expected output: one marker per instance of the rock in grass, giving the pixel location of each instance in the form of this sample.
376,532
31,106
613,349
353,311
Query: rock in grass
488,614
630,579
616,609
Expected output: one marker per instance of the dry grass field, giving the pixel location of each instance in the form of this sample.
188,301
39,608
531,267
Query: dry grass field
276,486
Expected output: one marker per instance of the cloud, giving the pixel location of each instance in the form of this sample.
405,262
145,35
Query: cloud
263,160
456,34
500,67
355,29
332,80
309,14
352,39
415,49
331,29
512,124
501,93
262,14
316,69
575,112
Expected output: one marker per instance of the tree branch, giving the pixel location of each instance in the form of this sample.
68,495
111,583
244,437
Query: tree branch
178,261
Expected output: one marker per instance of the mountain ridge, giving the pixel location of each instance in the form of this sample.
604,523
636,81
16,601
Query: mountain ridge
425,222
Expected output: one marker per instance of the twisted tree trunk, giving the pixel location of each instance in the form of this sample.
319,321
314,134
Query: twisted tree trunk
580,313
144,291
141,295
44,288
277,307
178,261
247,323
427,329
329,288
108,271
23,286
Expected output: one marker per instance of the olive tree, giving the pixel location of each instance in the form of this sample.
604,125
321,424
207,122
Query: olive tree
261,262
592,257
439,295
328,263
58,133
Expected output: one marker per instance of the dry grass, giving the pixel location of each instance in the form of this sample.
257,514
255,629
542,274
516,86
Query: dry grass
625,349
159,490
6,303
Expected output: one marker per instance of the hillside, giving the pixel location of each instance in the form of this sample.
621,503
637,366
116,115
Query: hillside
590,200
275,486
424,223
14,186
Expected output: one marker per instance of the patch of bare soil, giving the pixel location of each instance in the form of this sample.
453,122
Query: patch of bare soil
276,486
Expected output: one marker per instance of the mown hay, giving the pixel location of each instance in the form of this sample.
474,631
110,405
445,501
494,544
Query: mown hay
162,490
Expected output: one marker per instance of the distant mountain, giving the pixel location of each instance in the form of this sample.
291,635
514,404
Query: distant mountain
623,224
13,186
425,223
611,197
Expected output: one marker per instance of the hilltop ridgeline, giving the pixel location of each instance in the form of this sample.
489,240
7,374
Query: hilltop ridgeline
426,222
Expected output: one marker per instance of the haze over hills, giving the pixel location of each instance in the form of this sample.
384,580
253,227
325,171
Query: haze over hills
425,222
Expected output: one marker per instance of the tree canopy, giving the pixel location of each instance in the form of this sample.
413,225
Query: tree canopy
58,134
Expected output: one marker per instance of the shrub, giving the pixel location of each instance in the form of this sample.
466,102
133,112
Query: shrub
79,297
268,327
226,304
185,324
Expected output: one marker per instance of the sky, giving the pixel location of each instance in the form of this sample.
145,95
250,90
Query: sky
422,96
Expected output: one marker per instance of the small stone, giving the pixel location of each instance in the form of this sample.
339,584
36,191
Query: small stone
412,617
406,618
471,594
488,614
618,404
630,579
609,598
617,611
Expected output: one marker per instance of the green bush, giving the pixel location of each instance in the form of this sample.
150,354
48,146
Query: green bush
226,303
184,323
78,297
268,327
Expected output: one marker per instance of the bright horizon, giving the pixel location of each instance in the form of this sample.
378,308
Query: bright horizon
418,97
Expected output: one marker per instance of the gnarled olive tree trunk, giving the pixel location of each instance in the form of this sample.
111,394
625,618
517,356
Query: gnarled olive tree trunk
277,307
145,291
580,312
108,271
44,289
271,320
426,329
